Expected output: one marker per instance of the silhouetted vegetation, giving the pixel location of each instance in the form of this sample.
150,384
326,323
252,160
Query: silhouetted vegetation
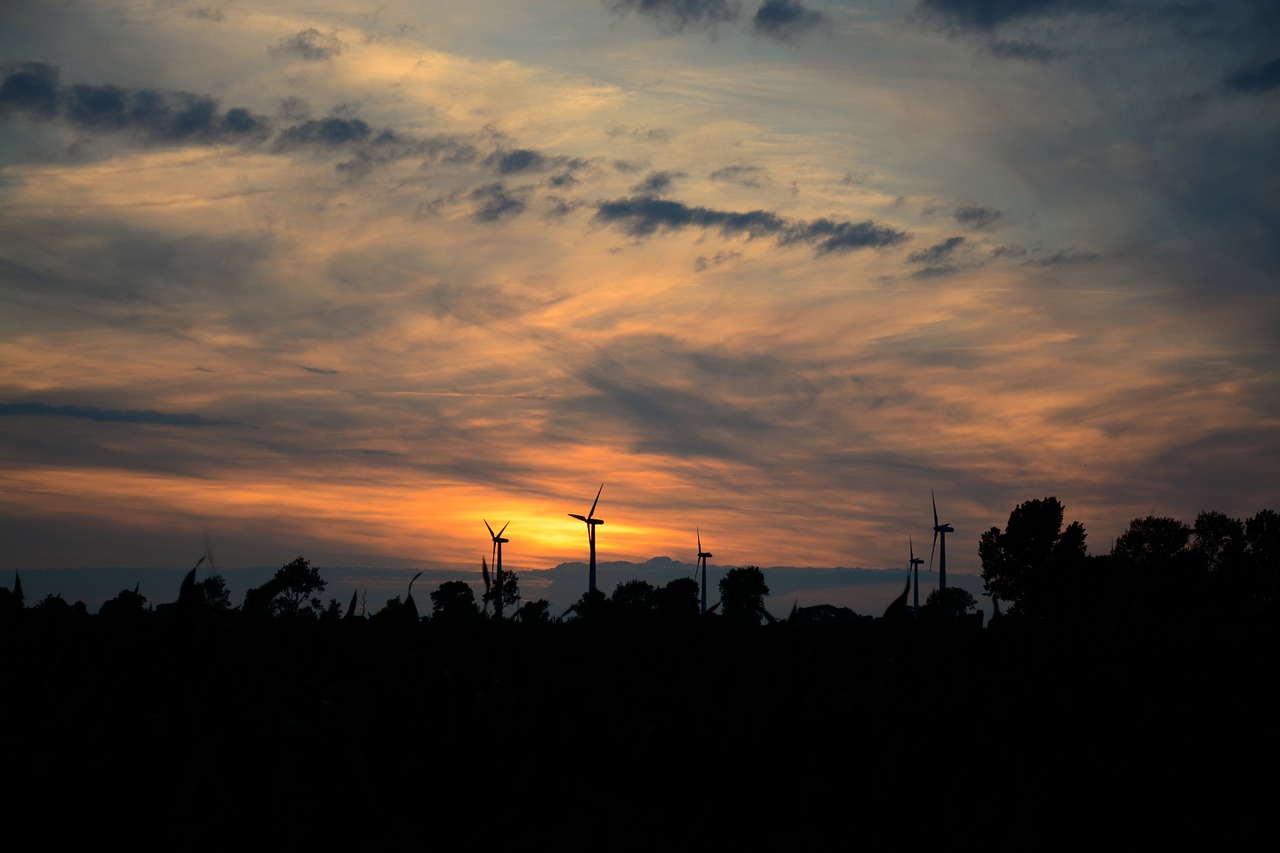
1112,701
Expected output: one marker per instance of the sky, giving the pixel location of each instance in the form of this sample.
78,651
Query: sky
346,279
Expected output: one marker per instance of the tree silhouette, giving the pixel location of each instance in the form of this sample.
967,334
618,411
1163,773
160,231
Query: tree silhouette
213,592
453,600
677,601
742,593
300,589
535,612
129,603
633,597
1034,561
950,602
1152,542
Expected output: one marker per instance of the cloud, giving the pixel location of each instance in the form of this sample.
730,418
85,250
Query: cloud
158,116
642,216
937,253
204,13
1024,50
330,131
976,216
310,44
747,176
786,20
703,263
991,14
519,160
1067,257
657,183
1254,79
32,86
93,413
678,15
642,134
496,203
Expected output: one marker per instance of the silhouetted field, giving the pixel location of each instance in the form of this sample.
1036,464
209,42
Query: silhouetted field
201,730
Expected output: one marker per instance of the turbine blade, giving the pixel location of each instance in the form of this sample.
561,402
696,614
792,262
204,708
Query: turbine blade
699,542
596,501
579,517
486,524
935,545
912,547
504,527
935,508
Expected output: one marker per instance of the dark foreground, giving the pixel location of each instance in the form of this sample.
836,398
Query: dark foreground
205,732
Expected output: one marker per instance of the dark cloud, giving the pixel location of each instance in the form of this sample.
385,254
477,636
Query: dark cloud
519,160
786,20
1254,79
157,116
496,203
310,44
937,253
976,216
826,235
1026,51
678,15
323,371
1009,252
31,86
94,413
747,176
657,183
330,131
642,216
990,14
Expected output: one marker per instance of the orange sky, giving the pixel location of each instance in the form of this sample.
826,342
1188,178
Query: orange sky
311,279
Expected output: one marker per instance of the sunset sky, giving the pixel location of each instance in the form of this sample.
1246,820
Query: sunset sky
343,279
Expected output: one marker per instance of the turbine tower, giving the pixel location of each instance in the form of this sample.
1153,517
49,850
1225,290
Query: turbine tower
942,529
497,565
915,570
591,521
702,567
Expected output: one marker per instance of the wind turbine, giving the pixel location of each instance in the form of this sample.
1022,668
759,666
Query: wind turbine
497,564
943,529
915,570
591,522
702,566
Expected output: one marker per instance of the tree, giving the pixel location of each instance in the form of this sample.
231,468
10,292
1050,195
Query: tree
592,606
300,589
128,604
453,600
1153,542
213,593
635,596
950,602
509,590
742,594
677,601
535,612
1034,561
